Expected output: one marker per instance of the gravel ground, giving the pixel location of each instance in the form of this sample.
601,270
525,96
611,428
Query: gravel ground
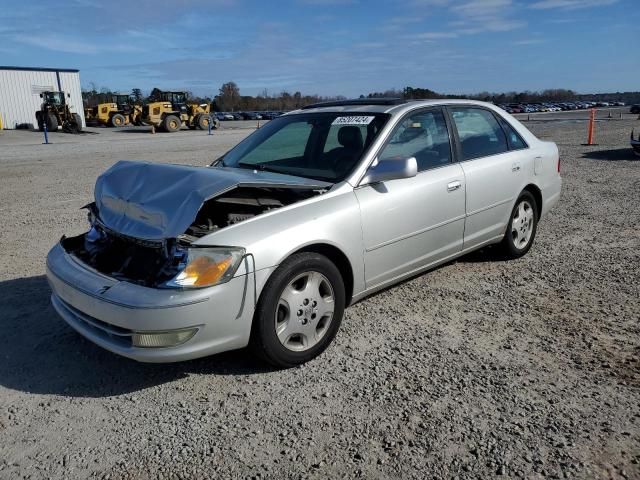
480,368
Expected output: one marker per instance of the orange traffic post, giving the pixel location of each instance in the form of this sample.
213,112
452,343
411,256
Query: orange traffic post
592,125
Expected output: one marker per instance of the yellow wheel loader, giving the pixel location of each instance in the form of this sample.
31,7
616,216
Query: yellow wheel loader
55,111
170,111
118,111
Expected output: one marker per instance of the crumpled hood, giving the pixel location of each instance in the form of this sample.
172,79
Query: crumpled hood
155,201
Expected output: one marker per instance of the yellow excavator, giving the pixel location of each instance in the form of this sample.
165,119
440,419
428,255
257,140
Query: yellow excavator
117,111
170,111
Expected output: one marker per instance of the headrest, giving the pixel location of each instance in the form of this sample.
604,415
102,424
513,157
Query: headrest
350,137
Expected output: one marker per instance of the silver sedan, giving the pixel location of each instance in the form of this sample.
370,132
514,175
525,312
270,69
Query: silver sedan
311,213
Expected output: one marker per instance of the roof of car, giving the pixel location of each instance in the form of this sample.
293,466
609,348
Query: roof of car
371,105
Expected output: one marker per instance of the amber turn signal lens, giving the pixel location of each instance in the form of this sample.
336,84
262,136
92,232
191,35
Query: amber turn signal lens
205,271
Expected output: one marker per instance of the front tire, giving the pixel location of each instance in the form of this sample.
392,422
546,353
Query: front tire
522,227
52,122
202,121
300,310
78,121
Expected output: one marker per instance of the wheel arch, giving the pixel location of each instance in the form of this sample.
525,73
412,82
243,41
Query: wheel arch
339,259
537,195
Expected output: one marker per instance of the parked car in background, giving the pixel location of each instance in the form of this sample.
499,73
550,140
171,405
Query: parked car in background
237,116
635,109
270,115
252,116
316,210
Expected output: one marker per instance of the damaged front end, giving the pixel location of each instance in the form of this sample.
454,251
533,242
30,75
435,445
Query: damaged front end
146,217
151,263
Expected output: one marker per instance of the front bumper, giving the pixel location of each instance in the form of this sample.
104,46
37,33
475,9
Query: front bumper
108,312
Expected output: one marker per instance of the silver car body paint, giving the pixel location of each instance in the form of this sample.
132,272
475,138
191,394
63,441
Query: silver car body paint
387,232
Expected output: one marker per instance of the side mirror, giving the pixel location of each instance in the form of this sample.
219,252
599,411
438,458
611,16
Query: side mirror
40,95
391,169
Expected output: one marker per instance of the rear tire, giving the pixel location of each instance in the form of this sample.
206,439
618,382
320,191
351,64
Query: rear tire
39,121
299,311
171,123
117,120
52,123
521,230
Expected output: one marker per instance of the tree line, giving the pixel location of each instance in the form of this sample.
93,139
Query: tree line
229,98
527,96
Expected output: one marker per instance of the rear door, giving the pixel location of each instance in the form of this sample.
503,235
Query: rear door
413,222
493,173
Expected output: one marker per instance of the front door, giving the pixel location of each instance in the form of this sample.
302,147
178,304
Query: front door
411,223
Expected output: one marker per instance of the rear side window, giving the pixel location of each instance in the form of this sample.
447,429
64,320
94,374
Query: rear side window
480,133
514,139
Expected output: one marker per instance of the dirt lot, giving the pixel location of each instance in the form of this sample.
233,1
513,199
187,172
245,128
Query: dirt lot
481,368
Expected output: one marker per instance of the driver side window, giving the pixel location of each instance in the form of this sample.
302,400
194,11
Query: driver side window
422,135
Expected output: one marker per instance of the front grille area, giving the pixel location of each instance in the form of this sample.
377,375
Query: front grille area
110,333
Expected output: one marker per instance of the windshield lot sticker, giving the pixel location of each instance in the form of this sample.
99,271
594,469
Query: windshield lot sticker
359,120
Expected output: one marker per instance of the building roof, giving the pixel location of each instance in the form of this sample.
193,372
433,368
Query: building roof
40,69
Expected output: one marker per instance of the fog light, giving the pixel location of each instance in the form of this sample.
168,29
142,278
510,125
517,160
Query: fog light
162,339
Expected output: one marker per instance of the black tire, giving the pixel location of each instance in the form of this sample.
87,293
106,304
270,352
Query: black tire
39,121
264,339
202,121
117,120
509,246
171,123
78,120
52,123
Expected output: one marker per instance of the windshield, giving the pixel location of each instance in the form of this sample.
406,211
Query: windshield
173,97
323,146
55,98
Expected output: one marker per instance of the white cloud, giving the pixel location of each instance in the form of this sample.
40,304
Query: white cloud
570,4
60,43
481,8
530,41
435,35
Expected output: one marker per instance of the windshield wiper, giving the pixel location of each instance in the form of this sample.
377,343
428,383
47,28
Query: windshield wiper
263,167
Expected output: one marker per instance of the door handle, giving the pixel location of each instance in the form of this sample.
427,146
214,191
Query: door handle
453,186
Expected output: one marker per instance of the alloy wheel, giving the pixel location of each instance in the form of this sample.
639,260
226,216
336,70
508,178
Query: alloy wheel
304,311
522,225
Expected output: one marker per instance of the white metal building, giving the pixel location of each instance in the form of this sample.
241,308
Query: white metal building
20,89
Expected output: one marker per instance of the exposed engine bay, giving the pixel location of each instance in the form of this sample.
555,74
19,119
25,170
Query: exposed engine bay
154,262
240,204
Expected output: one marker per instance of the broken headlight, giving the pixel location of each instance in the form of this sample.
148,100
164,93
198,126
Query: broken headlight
205,267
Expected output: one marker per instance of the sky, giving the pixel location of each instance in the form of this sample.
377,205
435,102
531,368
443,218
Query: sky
330,47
